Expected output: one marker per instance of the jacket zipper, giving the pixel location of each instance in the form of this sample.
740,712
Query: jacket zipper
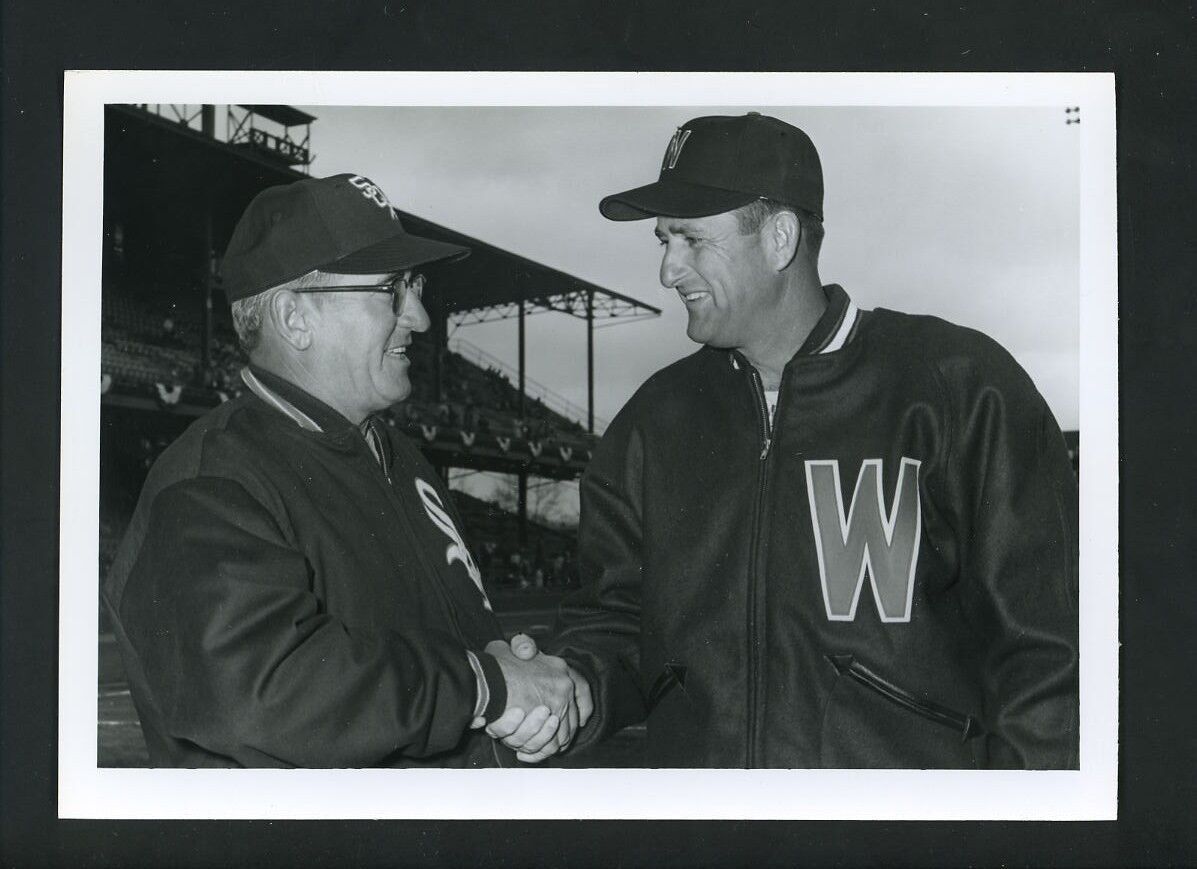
384,451
766,432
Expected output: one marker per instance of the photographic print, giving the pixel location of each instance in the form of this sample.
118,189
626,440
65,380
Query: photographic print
697,445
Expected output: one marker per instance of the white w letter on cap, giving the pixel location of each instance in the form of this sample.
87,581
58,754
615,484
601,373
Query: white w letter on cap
675,148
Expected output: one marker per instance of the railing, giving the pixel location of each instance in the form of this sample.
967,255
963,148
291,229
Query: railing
239,130
290,151
539,391
180,113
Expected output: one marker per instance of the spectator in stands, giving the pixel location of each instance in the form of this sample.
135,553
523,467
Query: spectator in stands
557,570
271,595
517,573
486,561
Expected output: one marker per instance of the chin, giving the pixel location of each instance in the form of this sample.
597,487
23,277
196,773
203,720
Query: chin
395,393
696,333
710,338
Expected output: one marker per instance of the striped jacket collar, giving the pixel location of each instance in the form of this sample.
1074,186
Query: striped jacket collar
302,408
836,327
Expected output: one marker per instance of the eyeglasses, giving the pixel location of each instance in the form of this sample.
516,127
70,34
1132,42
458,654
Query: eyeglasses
398,290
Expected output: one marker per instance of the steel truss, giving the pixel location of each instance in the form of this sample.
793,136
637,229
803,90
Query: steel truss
583,304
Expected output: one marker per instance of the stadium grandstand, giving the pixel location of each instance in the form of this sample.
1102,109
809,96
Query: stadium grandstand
176,180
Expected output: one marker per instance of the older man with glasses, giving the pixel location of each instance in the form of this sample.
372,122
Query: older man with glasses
294,588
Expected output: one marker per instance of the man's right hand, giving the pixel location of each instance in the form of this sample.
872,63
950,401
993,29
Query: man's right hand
537,733
540,698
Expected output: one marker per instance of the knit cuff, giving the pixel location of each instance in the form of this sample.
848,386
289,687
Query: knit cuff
492,687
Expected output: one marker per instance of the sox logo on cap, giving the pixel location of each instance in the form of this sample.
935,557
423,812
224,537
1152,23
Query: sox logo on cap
373,192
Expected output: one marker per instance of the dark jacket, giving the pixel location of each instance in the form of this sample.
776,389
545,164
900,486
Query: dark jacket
280,600
886,578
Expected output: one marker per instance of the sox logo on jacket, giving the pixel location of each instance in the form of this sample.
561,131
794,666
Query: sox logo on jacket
456,550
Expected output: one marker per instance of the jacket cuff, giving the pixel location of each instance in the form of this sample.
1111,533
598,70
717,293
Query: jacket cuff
492,687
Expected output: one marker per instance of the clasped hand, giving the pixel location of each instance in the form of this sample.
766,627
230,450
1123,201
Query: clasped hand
547,701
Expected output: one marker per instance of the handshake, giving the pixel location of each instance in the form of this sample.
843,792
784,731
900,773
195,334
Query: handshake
547,701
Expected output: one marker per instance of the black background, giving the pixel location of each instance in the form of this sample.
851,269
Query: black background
1149,46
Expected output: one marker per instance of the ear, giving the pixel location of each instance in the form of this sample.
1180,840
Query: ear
783,236
292,319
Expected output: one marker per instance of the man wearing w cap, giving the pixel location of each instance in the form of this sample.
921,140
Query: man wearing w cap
831,537
294,589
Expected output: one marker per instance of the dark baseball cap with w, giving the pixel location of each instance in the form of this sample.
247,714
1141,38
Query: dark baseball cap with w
342,224
719,163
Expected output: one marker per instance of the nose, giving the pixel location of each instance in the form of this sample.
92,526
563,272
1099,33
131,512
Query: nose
413,316
672,268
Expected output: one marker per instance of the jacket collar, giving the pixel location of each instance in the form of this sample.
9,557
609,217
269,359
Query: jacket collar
302,408
835,328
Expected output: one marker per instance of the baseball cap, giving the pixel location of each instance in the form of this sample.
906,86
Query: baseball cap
718,163
342,224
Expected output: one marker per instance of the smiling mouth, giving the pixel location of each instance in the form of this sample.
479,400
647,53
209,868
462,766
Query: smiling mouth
692,297
397,351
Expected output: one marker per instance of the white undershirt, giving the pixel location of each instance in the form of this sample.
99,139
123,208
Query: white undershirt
771,400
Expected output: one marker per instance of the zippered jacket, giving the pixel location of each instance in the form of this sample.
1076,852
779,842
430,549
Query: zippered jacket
885,575
283,597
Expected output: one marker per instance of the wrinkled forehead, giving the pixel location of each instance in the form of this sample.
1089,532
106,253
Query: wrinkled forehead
715,223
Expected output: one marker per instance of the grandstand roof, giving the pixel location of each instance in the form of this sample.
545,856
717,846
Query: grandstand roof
489,283
288,116
164,170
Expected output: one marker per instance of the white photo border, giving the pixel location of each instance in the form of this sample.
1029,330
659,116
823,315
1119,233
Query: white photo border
88,791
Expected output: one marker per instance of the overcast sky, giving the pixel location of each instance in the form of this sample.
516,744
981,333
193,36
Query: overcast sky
970,214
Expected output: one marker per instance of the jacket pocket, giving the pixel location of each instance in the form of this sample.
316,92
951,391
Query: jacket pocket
678,729
965,725
673,675
869,722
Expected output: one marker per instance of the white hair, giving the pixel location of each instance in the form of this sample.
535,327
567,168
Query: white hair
249,313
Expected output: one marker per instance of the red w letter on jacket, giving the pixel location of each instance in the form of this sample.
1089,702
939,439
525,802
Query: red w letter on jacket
867,539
